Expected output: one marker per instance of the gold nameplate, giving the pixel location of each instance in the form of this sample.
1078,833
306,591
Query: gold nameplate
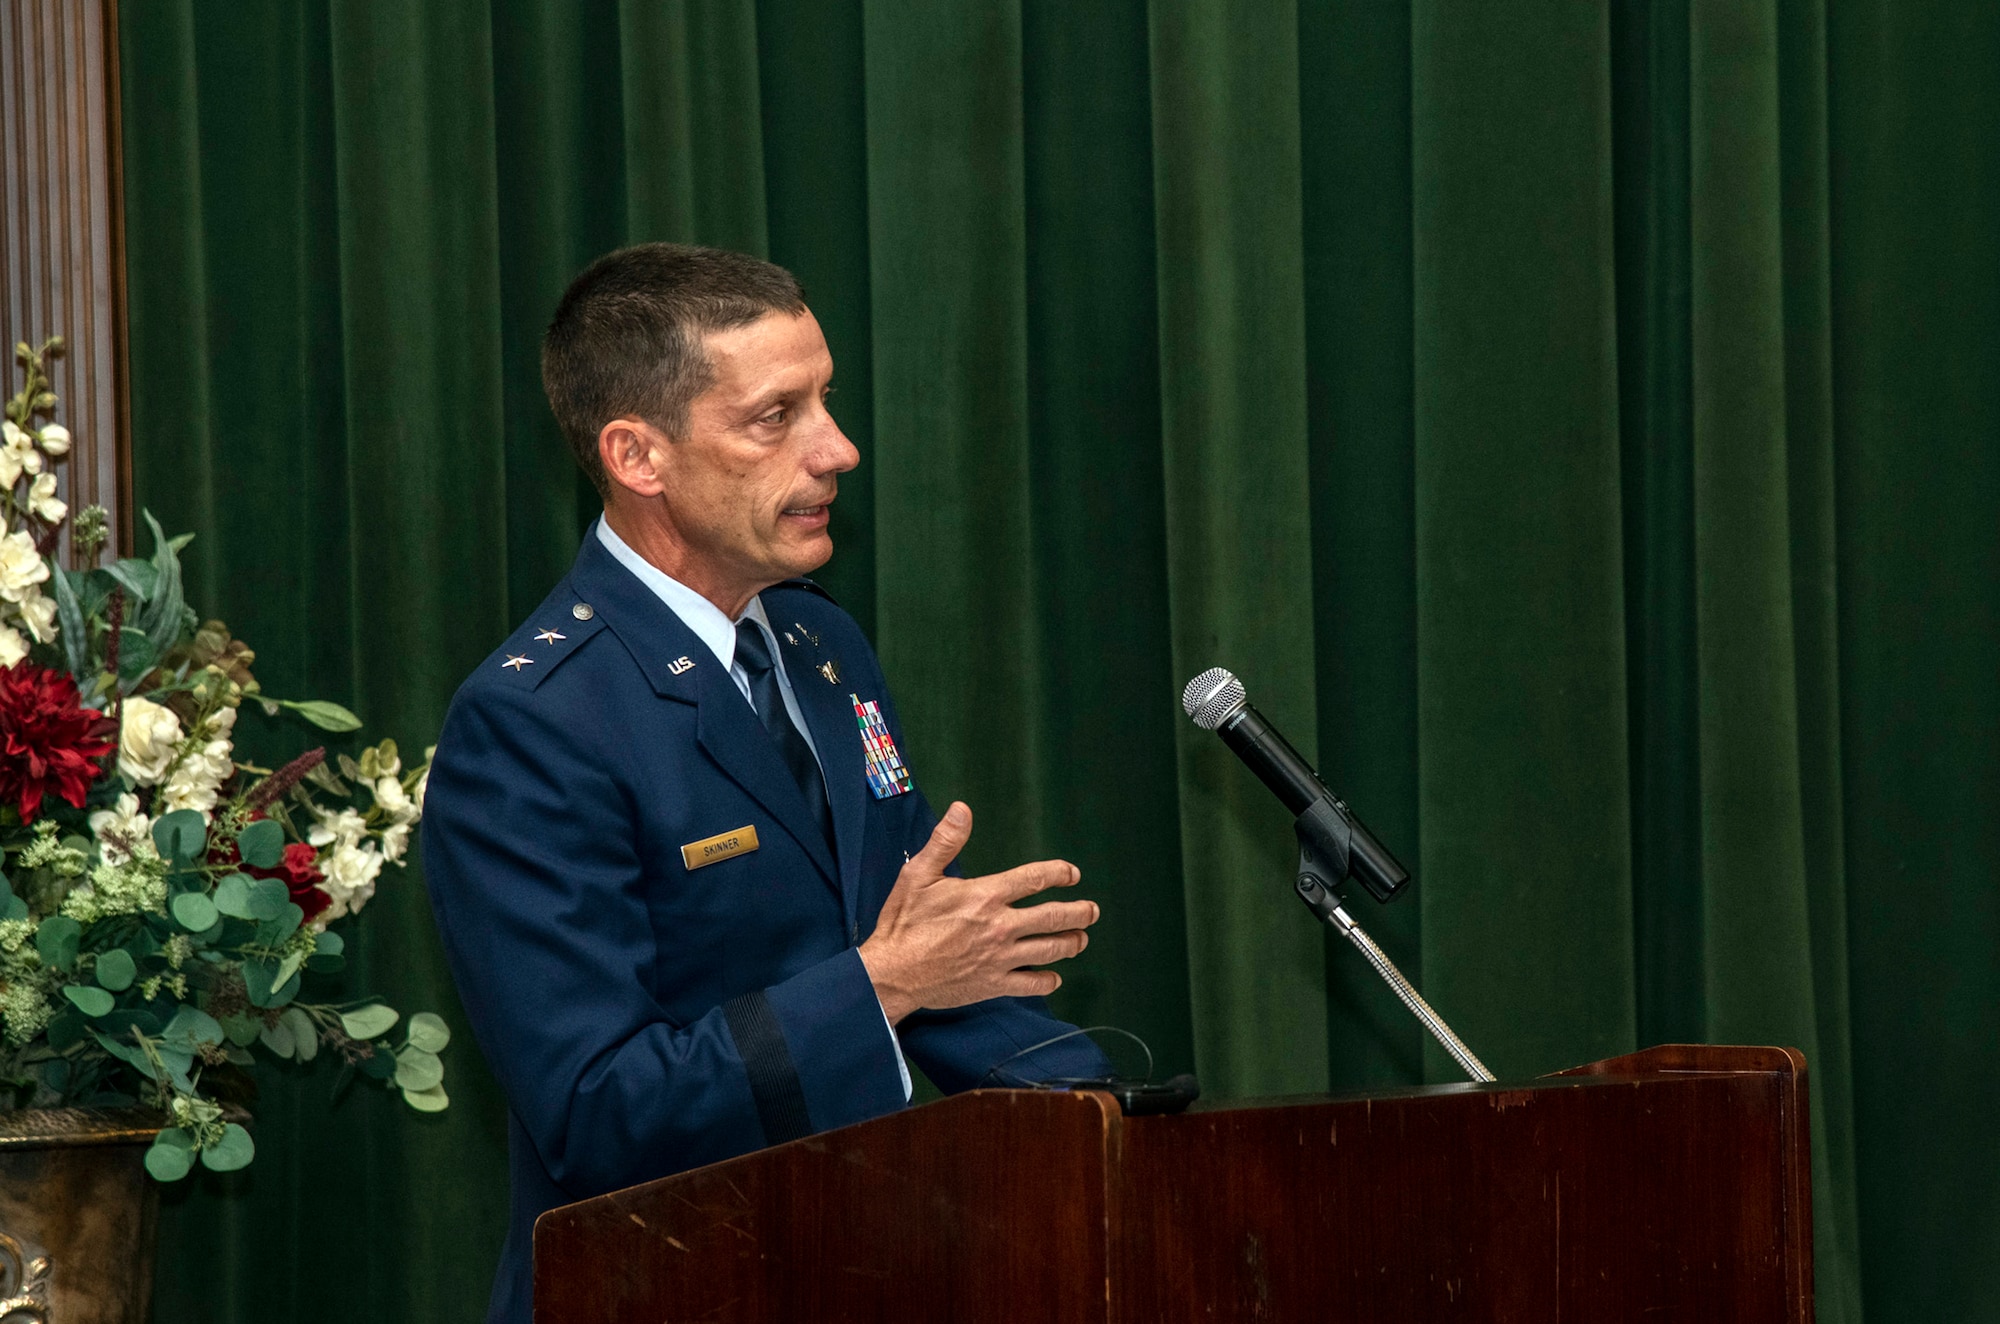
719,847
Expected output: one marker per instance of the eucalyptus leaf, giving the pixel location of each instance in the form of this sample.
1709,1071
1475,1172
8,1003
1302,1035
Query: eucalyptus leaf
195,912
260,981
171,1156
13,907
233,897
116,969
233,1151
242,1029
330,944
268,898
180,836
322,714
432,1100
370,1022
418,1070
66,1030
276,932
278,1038
56,941
429,1032
305,1035
287,968
194,1025
261,844
124,1052
379,1067
88,1000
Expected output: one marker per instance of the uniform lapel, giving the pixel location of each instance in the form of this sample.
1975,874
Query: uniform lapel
681,667
831,717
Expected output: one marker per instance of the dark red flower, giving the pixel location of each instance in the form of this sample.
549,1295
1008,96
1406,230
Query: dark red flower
299,871
49,742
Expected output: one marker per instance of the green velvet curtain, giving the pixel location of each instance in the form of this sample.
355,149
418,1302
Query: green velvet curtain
1576,423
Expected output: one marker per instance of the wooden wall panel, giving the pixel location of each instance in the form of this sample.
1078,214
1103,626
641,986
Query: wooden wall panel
62,231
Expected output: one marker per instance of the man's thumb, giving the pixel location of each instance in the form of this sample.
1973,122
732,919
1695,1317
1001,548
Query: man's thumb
948,838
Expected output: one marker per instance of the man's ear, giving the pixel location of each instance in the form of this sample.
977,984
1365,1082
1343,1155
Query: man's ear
633,451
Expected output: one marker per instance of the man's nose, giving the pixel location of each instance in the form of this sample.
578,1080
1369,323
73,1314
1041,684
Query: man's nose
833,453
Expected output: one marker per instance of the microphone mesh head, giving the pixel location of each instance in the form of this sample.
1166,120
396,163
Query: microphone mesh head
1212,697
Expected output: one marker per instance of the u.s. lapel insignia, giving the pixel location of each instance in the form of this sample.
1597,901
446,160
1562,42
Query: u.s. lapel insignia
831,670
788,639
549,637
884,763
515,663
681,664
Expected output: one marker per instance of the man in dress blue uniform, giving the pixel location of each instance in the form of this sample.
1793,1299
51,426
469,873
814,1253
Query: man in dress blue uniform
694,902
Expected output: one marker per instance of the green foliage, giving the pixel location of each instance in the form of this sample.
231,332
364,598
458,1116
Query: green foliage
116,970
138,950
326,716
56,941
180,836
172,1155
261,843
369,1022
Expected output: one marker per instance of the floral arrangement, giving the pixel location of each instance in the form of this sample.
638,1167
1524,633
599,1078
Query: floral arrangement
163,907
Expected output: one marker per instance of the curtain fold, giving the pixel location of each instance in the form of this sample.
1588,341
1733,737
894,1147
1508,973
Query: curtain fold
1574,424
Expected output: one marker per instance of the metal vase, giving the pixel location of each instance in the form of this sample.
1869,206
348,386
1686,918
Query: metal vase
77,1216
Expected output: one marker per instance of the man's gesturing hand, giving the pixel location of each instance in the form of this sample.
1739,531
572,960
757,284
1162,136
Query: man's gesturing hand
945,942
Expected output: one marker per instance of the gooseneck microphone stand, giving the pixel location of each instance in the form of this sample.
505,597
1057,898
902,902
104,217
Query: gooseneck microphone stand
1323,897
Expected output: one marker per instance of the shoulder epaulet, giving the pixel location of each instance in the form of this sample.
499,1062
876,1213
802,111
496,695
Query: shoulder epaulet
810,586
540,646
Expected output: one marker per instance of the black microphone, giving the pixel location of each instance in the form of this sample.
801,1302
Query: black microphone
1216,701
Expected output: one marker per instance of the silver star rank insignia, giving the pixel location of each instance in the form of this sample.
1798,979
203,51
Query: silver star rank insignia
516,663
549,637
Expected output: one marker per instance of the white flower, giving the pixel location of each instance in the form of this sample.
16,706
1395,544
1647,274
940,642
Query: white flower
40,614
120,826
344,829
389,794
12,646
196,780
42,499
17,455
350,878
423,784
55,439
395,843
147,735
21,564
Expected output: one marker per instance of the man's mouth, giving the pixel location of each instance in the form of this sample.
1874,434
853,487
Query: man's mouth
807,512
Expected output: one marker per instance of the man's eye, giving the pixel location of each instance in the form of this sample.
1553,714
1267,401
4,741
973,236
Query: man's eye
774,418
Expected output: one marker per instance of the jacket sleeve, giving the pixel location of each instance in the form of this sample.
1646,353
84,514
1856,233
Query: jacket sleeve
532,854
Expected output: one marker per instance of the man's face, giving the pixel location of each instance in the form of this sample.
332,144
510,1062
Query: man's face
746,489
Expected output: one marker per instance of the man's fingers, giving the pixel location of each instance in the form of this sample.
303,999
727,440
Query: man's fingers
1053,917
1027,879
1030,984
1051,947
948,838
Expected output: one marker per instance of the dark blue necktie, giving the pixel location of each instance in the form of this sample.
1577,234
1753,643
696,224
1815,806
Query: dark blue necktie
753,654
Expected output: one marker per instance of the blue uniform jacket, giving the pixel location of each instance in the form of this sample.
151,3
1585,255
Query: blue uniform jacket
644,1017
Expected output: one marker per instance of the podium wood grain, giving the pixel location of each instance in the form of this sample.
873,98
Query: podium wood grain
1671,1184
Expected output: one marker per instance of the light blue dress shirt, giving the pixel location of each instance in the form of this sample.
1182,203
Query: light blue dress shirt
715,629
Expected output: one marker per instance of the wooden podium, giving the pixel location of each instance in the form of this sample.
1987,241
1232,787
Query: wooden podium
1671,1184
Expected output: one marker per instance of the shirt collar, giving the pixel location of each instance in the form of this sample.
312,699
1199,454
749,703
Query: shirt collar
700,615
